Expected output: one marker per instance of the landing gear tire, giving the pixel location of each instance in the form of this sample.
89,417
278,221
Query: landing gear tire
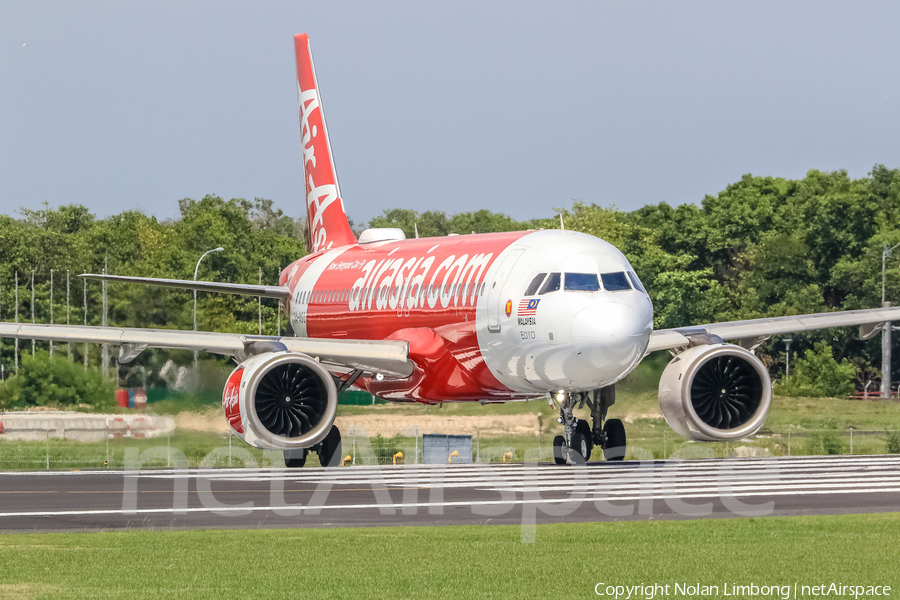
294,459
614,448
583,429
559,450
330,448
581,449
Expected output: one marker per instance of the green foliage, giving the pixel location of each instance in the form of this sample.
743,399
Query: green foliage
825,442
55,382
437,223
762,247
645,378
385,448
819,375
70,241
893,442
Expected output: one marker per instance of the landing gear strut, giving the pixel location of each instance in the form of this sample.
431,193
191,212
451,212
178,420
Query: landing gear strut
577,442
579,438
329,451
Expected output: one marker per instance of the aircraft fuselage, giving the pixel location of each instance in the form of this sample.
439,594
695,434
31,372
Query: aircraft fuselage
488,317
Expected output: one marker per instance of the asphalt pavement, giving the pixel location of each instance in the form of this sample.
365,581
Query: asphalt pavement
515,494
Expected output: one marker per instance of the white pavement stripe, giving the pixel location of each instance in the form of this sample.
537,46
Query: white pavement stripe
551,471
816,464
569,477
356,473
396,506
348,475
724,487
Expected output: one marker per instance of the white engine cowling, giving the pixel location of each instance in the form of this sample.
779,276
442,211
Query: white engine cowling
280,401
715,392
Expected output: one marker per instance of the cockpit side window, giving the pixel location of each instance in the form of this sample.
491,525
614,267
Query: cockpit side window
636,282
535,283
551,284
615,282
582,282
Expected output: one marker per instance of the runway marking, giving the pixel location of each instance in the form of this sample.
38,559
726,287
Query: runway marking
249,491
622,477
503,473
407,505
621,487
726,486
548,479
482,473
694,483
484,478
595,467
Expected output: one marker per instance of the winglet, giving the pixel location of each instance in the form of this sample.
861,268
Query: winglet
328,224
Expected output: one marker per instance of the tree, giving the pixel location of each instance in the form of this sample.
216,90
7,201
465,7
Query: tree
436,223
819,375
55,382
761,247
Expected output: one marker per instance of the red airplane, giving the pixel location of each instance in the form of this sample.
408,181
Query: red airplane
464,318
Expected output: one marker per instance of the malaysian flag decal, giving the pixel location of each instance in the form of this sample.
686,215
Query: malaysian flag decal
528,307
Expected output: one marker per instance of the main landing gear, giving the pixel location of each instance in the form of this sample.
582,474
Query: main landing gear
580,438
329,451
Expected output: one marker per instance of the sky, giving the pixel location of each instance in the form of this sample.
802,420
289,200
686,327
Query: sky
517,107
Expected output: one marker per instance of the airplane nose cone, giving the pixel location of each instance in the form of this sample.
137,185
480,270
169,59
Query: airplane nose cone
610,338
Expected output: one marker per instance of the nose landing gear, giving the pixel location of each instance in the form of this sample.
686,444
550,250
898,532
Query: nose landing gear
579,438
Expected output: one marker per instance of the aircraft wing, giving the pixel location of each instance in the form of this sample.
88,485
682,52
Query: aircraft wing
245,289
753,332
388,357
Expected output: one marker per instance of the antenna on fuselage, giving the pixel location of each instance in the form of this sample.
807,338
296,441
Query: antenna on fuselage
561,226
416,226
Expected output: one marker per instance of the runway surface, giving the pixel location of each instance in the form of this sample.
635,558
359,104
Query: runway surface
446,495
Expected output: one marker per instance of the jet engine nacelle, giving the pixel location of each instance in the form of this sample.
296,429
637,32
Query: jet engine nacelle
280,401
715,392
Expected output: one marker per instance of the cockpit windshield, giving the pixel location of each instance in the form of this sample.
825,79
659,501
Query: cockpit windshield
615,282
551,284
636,282
582,282
535,284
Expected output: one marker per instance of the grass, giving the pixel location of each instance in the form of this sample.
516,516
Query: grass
566,560
796,426
64,454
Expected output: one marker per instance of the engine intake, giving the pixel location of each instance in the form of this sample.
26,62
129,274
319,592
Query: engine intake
280,400
715,392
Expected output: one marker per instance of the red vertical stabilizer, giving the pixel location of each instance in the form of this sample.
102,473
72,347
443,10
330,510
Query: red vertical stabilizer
328,225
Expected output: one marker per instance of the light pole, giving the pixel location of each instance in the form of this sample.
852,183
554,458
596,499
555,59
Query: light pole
885,333
197,268
787,353
51,308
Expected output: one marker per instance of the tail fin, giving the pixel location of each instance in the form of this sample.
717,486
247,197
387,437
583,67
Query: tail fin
328,225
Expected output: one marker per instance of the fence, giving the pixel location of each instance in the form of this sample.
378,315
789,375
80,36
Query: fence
28,297
55,448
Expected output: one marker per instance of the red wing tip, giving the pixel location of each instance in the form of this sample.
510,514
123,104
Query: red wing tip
301,37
